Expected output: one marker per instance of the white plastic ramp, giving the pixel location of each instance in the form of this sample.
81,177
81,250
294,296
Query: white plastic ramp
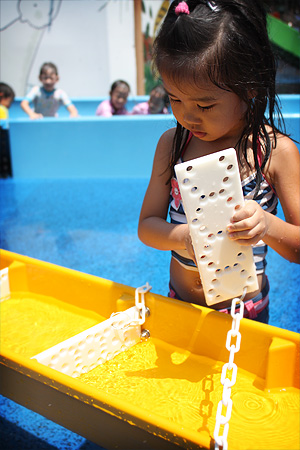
211,189
96,345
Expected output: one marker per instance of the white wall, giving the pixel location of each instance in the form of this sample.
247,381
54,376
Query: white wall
91,42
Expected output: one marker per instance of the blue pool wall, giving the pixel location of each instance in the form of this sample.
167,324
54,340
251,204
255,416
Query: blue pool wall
99,147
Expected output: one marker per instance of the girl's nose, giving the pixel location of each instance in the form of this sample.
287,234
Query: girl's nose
191,118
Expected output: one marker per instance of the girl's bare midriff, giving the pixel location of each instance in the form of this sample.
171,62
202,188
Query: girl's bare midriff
187,285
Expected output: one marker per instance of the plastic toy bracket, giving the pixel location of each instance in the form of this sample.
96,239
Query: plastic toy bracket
4,284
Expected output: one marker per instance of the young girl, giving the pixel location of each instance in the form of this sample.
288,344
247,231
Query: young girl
47,98
216,64
119,92
157,104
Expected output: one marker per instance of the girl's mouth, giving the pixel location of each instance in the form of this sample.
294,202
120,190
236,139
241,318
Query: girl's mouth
199,134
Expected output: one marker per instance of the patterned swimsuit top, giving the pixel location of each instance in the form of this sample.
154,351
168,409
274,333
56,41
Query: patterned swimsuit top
266,198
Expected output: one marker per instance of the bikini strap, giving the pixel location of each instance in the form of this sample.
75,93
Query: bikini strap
259,153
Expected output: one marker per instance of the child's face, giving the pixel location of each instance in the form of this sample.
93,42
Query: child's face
118,96
6,101
156,103
48,79
210,113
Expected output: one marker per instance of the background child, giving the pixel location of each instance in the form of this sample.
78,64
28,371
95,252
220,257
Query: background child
217,65
47,98
158,103
119,92
7,96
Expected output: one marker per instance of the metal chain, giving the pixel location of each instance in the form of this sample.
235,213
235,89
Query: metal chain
226,402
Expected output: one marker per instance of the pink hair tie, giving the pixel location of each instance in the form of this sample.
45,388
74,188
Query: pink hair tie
182,8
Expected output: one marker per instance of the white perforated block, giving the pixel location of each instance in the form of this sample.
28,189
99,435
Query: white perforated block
102,342
211,189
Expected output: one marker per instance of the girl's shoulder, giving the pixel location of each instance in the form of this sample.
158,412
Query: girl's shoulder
284,155
282,148
164,150
165,142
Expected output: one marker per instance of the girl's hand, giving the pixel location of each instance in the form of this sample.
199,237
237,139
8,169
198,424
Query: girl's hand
35,115
249,224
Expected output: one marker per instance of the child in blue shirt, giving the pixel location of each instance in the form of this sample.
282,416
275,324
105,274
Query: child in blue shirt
47,98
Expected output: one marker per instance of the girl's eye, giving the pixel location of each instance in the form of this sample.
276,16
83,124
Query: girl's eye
174,100
205,108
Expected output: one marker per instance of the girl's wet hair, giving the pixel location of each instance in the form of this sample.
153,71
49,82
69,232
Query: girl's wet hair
225,42
48,66
118,83
6,91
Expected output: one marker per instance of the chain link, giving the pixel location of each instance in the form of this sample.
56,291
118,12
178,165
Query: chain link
233,348
140,306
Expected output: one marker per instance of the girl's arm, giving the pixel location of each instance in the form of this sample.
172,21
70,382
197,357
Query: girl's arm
153,229
72,110
33,115
251,223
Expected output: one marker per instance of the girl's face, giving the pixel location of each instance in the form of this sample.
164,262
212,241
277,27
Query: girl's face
156,103
48,79
210,113
6,101
118,96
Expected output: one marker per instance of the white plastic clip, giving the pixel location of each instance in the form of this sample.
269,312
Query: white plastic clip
140,301
4,284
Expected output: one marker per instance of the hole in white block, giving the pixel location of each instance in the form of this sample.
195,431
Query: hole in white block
241,256
211,237
63,353
91,353
65,367
243,273
81,345
89,339
72,350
